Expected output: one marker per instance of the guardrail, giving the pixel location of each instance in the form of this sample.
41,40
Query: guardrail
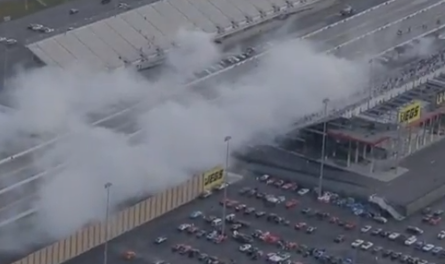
122,112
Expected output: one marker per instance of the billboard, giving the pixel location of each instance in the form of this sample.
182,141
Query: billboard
213,178
410,113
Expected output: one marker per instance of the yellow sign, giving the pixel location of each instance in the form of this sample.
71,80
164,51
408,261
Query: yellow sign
213,178
410,113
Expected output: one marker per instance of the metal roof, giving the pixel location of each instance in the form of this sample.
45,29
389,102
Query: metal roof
141,33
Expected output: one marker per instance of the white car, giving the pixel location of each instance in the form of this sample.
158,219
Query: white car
366,245
47,30
357,243
265,177
303,191
2,39
245,247
427,247
11,41
366,228
411,240
35,27
380,219
393,236
123,6
183,227
441,235
222,186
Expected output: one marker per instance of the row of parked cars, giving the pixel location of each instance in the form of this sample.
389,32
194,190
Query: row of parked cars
225,63
357,208
8,41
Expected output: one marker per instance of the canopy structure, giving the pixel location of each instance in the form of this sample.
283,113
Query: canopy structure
145,32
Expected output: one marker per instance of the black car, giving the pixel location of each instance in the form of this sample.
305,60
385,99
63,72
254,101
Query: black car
310,229
306,210
396,255
438,213
404,258
260,195
387,253
249,210
200,233
73,11
376,232
339,239
105,1
385,234
244,190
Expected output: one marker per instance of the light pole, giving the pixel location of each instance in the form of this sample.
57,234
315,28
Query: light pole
225,180
107,215
371,83
323,147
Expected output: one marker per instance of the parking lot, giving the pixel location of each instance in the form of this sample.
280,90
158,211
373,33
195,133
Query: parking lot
274,232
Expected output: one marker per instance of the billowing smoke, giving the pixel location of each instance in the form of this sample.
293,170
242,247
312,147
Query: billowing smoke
179,137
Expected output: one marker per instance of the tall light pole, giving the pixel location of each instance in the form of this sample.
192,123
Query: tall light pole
225,180
107,216
323,147
371,81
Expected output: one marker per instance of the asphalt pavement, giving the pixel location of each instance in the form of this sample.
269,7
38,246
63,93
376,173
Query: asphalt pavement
141,240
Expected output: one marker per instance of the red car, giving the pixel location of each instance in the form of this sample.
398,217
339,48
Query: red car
291,203
435,220
294,187
219,239
286,186
192,229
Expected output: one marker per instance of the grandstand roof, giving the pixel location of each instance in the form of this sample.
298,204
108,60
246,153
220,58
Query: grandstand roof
140,34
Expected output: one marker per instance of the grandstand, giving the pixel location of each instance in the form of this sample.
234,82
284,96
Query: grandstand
141,36
378,151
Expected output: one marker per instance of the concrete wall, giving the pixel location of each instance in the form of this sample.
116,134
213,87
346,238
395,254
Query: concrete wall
128,219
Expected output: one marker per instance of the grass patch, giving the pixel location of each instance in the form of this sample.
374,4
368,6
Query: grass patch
19,8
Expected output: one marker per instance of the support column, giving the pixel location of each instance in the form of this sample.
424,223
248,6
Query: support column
348,162
410,131
357,144
431,130
364,150
422,142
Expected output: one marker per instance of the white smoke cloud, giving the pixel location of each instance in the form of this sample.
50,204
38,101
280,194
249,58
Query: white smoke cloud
179,136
